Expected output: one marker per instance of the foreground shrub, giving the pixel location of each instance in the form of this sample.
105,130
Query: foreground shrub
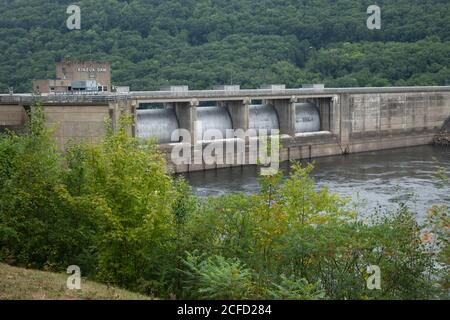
292,288
217,278
134,197
41,224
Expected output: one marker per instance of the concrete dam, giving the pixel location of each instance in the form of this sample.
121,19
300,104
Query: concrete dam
312,122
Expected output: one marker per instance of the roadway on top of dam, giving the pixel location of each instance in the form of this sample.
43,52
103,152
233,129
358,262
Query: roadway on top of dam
209,95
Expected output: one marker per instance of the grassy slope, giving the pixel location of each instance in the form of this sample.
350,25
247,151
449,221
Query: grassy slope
24,284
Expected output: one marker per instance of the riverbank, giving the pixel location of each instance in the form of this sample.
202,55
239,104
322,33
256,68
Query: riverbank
25,284
443,137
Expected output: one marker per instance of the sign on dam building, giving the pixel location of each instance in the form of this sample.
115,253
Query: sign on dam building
312,122
77,76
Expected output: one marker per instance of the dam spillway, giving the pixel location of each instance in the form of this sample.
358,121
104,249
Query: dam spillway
307,118
214,122
156,123
213,118
263,117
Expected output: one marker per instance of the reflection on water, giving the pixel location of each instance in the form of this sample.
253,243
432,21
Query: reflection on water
381,178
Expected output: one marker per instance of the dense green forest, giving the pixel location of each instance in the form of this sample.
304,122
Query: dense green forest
249,42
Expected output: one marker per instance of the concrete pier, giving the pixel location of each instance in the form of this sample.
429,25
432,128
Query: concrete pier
186,113
238,111
286,114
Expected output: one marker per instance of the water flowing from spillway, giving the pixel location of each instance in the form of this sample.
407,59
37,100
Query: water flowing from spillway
213,118
263,117
159,123
307,118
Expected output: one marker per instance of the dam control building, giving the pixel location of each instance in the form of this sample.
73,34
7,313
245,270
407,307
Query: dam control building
77,77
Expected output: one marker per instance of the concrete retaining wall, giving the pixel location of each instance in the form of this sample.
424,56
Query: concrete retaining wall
13,117
391,120
82,123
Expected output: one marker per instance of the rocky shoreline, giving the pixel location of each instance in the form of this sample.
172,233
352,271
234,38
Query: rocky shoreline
443,137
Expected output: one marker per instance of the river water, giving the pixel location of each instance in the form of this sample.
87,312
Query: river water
372,179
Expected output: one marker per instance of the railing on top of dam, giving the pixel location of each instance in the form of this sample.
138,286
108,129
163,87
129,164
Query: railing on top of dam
206,94
25,98
257,93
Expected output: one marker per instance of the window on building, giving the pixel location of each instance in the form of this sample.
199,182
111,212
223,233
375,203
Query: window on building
52,89
105,88
100,88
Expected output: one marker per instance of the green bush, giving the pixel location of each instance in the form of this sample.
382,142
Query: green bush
134,198
216,277
291,288
42,225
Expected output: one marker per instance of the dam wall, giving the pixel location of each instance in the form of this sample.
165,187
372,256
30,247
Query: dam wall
349,123
312,122
392,120
77,123
87,122
12,117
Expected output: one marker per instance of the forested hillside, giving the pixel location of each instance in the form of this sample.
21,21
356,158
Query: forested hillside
250,42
